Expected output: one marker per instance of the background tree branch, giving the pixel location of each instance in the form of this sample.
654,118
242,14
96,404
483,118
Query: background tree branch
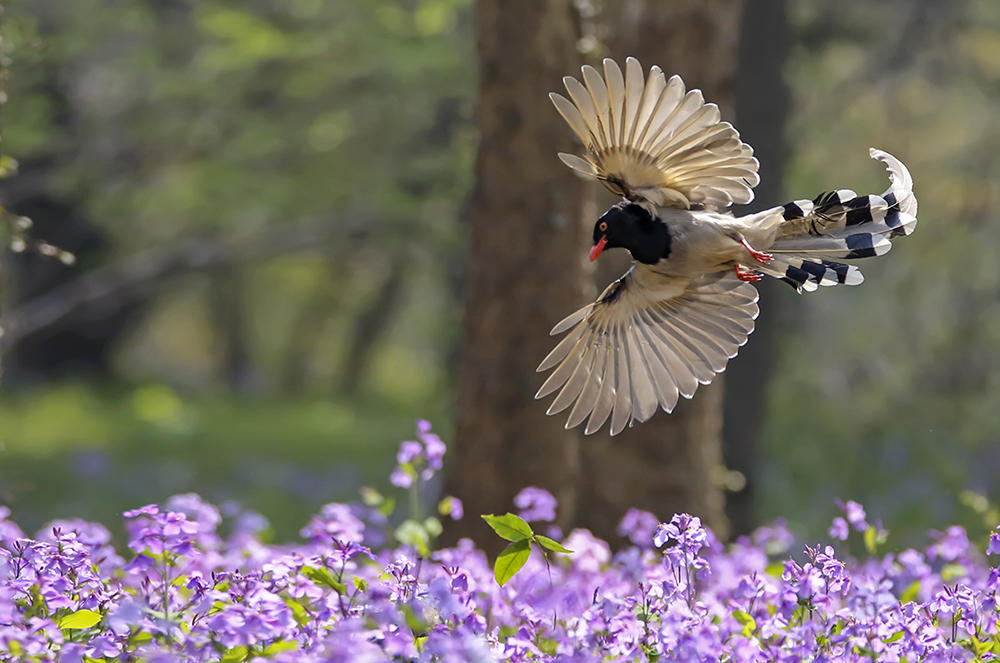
143,272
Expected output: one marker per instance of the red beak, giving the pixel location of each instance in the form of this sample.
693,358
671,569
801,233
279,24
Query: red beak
597,248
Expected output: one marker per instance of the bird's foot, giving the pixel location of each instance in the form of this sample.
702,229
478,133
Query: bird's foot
747,274
760,256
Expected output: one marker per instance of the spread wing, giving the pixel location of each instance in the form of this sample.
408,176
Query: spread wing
648,139
646,341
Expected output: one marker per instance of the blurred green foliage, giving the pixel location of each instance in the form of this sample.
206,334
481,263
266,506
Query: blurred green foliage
173,119
76,451
168,119
888,393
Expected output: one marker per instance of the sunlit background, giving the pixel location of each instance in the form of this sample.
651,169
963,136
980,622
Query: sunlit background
268,199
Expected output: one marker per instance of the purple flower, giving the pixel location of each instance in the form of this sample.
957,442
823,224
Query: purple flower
855,514
336,521
685,530
838,530
433,445
8,530
422,458
951,545
148,510
452,507
639,527
155,531
189,595
401,478
536,505
408,451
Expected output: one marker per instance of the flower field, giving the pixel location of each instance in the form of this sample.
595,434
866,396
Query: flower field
197,583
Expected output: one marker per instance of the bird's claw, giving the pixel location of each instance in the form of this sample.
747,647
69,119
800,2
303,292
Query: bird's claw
760,256
747,275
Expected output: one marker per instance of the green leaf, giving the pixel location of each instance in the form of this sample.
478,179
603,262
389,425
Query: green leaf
747,621
234,655
280,646
432,526
387,506
444,506
370,496
80,619
980,647
414,622
38,607
414,534
509,526
299,612
551,544
510,560
775,569
952,571
547,645
324,578
360,584
8,166
869,537
910,593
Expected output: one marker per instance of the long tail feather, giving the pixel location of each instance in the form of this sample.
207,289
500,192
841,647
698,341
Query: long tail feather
842,225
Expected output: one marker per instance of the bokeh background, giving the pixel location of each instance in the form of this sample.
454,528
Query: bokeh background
267,203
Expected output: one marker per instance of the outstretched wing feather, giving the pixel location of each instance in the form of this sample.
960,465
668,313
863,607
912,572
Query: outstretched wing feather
648,340
647,138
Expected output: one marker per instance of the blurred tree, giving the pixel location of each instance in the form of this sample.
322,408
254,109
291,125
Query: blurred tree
762,100
886,393
670,463
525,260
673,462
231,120
82,343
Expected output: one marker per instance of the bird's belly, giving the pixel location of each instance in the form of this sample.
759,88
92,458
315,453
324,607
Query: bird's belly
710,252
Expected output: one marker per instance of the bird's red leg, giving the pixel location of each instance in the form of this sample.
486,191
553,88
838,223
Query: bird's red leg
748,275
760,256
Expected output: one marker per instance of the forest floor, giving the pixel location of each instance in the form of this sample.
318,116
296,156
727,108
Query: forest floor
76,452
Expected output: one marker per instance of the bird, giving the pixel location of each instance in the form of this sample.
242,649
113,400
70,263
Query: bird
687,302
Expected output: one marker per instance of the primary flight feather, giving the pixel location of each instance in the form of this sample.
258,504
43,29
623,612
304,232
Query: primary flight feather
686,306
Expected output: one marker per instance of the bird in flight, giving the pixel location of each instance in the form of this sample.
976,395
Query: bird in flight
686,305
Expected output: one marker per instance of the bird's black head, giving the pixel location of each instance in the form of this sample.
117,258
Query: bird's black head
629,226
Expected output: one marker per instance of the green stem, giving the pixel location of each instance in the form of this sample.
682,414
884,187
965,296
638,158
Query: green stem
166,596
415,501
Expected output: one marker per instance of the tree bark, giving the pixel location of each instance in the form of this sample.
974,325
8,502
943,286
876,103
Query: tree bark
671,463
762,99
525,267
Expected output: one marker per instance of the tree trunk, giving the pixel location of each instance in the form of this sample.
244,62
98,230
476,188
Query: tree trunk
762,99
228,300
670,463
525,267
370,326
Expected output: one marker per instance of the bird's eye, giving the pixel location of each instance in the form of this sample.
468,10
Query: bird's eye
603,227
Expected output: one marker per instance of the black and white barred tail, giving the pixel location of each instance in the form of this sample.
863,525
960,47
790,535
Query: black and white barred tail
840,225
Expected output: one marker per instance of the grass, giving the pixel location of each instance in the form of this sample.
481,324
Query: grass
75,452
